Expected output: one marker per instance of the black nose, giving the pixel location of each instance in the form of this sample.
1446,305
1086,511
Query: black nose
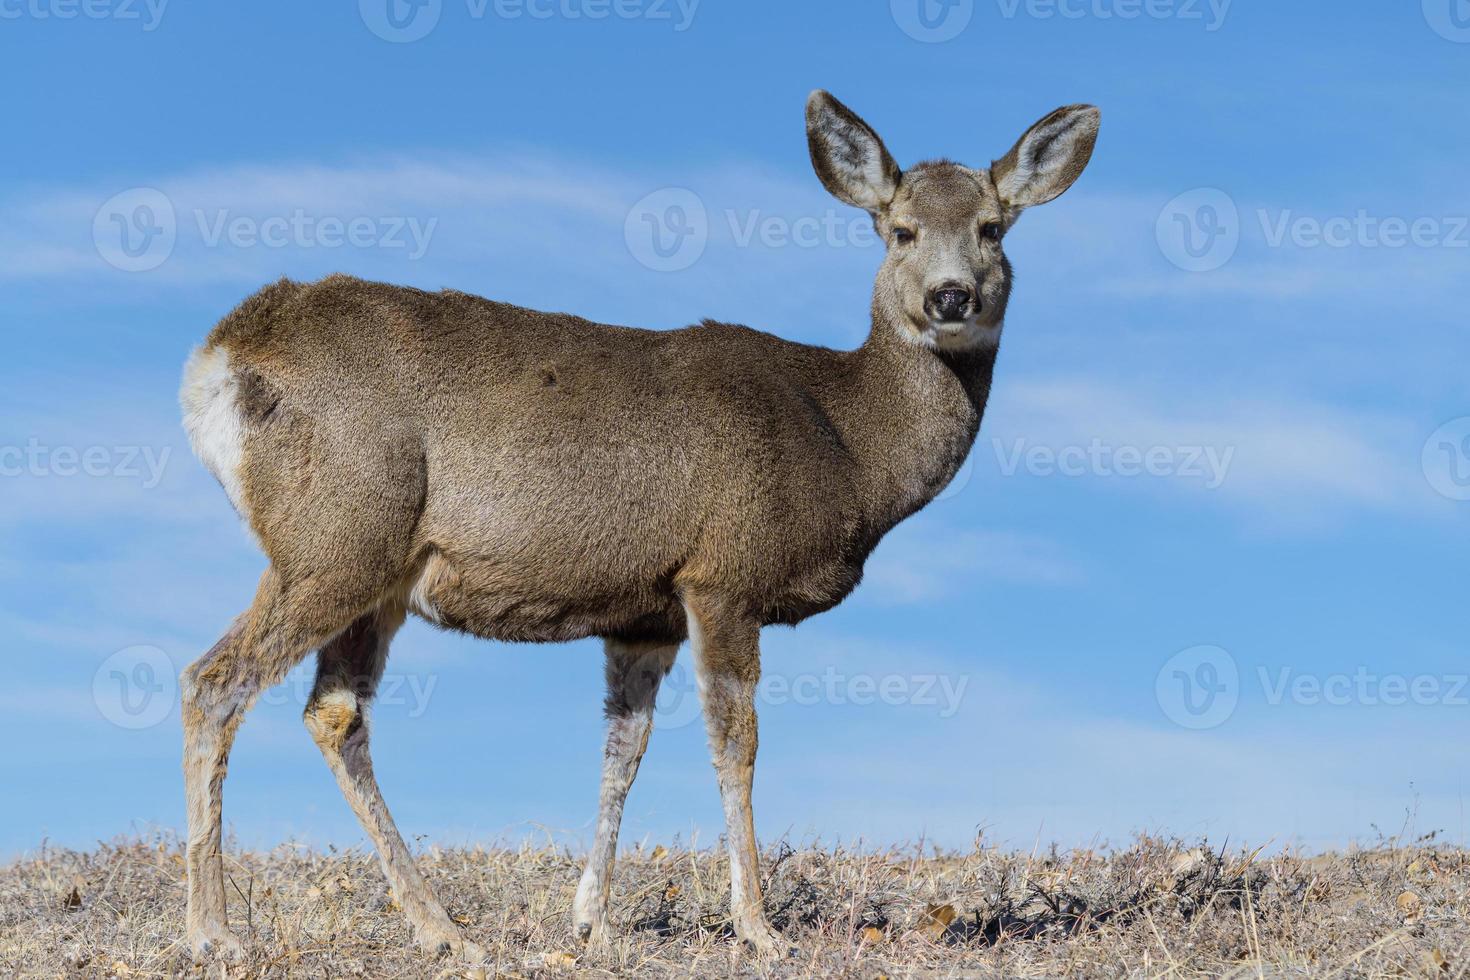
952,301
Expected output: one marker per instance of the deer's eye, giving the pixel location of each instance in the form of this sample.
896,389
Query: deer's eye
991,230
902,236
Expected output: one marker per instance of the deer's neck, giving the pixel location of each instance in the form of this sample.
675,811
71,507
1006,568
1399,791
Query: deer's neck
910,415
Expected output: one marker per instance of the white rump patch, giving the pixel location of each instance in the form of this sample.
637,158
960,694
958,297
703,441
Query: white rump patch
212,418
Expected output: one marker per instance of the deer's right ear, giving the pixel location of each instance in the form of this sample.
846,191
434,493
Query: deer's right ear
848,156
1047,159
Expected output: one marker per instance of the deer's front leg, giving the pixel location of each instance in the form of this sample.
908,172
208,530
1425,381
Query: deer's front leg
634,672
726,647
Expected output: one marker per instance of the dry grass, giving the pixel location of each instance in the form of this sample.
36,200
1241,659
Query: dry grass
1156,908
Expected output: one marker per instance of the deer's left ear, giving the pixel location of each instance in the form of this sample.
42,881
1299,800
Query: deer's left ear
1047,160
848,156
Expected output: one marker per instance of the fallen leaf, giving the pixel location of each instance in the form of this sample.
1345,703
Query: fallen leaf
943,914
936,920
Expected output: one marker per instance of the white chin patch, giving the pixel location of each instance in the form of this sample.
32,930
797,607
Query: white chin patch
968,335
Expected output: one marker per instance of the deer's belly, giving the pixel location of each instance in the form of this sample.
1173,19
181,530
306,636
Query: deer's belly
505,600
814,589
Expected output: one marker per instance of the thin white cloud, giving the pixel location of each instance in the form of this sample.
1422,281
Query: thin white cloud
919,563
1281,456
51,233
525,228
1027,754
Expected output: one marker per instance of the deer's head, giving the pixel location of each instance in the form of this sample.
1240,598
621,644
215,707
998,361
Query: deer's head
945,279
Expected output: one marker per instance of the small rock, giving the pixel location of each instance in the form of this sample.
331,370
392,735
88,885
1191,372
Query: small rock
558,960
1188,862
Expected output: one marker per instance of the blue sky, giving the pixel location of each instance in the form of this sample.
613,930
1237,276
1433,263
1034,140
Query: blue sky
1205,573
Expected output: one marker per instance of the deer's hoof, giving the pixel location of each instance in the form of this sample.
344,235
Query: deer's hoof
765,941
593,933
453,944
218,942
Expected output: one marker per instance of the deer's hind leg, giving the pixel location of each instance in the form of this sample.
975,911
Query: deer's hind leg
282,625
347,675
336,513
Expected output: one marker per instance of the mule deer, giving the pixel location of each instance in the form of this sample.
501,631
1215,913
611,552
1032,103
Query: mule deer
537,477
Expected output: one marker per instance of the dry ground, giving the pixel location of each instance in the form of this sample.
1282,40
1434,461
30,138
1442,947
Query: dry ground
1155,908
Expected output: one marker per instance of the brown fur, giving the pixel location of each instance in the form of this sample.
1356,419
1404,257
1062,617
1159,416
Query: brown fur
715,457
537,477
